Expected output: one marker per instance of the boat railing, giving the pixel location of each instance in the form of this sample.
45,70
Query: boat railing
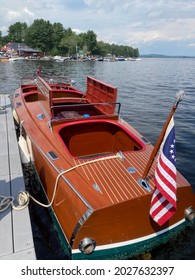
56,79
85,110
27,81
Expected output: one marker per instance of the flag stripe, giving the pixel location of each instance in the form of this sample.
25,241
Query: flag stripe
165,177
164,186
157,200
160,209
167,167
165,214
163,203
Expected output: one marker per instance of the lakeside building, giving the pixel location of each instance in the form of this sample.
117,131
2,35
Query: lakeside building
20,49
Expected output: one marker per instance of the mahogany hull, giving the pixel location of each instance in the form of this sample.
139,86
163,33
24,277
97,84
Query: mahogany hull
121,230
99,197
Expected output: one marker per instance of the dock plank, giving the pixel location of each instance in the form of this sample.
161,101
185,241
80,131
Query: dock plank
6,241
6,245
21,255
22,235
16,240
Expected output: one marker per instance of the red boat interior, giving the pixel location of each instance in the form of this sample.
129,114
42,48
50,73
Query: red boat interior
63,102
84,130
98,137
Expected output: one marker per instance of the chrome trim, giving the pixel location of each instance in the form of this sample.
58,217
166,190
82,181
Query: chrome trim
144,184
133,241
18,104
131,169
121,155
52,155
65,179
87,245
85,216
145,140
96,187
60,227
79,224
190,214
44,111
40,116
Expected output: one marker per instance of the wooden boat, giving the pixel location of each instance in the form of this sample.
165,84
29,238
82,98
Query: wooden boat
90,163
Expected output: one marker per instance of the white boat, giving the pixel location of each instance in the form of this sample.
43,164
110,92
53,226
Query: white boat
58,58
134,59
11,59
120,58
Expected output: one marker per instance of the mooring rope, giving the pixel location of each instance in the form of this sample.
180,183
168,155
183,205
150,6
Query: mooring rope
24,197
7,201
118,155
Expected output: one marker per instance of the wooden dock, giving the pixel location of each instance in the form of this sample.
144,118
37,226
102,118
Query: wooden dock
16,239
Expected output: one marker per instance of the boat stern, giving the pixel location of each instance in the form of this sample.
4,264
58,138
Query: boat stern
126,230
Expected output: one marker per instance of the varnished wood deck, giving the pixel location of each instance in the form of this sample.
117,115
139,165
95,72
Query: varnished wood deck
16,240
113,178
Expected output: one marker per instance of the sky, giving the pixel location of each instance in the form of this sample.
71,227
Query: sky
154,27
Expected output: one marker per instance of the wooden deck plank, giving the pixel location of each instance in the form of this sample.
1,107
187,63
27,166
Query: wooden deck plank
16,240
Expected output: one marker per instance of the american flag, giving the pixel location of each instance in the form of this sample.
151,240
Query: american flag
163,203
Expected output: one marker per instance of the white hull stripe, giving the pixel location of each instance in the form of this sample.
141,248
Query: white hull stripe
133,241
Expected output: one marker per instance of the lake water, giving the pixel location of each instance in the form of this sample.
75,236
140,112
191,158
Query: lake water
147,90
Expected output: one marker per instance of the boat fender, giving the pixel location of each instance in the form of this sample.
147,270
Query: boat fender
29,144
15,116
24,151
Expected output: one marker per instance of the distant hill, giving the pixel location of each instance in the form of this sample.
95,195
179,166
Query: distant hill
165,56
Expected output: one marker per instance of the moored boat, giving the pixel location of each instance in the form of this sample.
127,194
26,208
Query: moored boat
11,59
92,165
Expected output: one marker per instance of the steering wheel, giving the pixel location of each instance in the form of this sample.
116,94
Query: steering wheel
62,85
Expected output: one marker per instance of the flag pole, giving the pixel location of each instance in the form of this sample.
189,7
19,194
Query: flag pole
178,98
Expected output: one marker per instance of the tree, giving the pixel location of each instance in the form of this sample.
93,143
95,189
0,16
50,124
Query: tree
40,35
103,48
69,43
136,52
58,33
54,39
4,40
69,32
89,40
16,32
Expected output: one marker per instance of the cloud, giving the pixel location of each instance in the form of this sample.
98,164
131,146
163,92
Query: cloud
19,14
139,23
77,31
192,45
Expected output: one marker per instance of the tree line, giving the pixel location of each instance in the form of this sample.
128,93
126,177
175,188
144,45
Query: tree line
54,39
